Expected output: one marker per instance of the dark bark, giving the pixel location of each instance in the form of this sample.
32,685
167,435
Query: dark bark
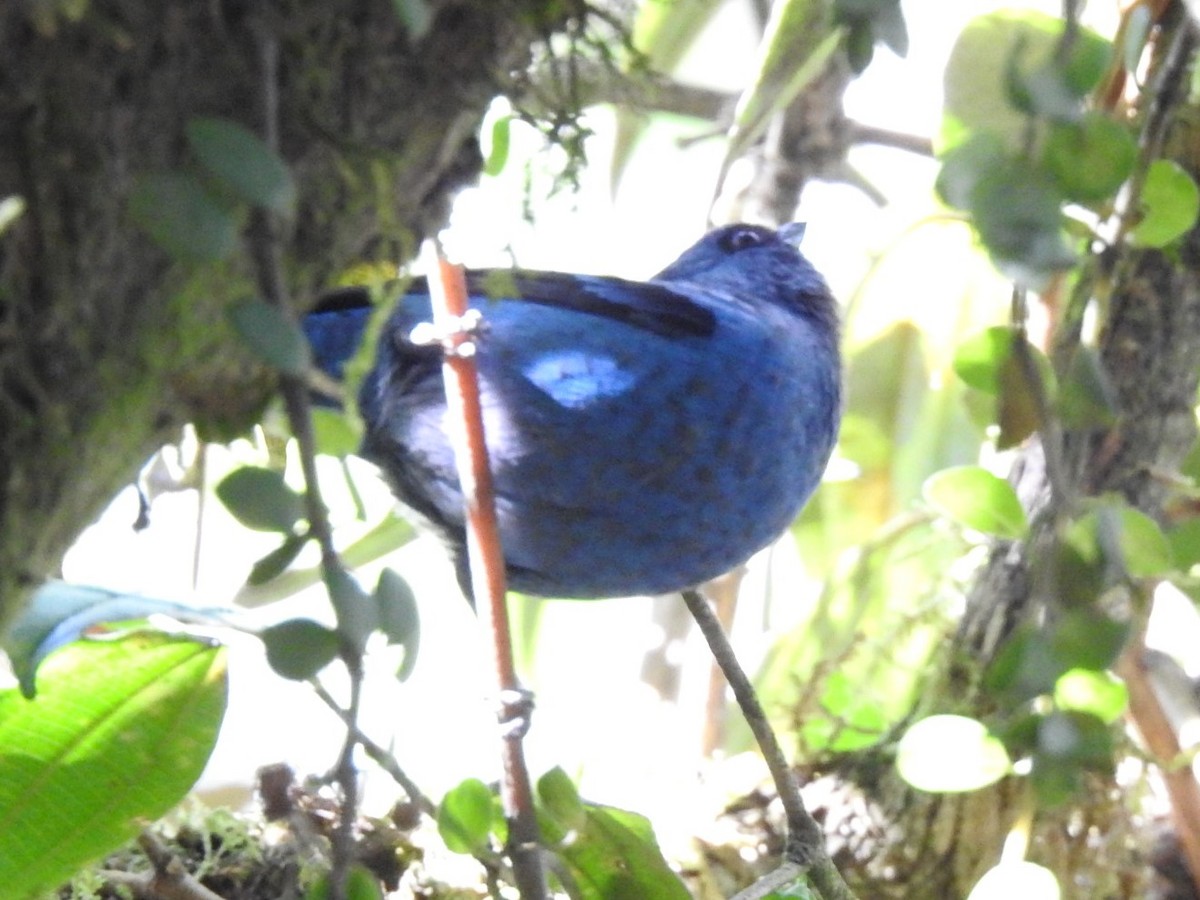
107,345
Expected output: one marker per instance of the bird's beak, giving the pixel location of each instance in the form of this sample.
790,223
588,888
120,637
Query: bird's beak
793,233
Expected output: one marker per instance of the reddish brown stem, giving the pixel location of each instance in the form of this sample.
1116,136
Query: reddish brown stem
1163,745
448,289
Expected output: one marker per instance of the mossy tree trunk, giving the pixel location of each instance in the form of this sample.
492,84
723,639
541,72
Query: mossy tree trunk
108,345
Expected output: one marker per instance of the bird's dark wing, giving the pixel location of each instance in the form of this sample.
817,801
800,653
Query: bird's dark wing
335,327
651,307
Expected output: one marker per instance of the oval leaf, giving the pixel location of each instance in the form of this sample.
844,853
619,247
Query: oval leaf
60,614
1016,878
950,753
464,818
260,499
243,162
274,563
1090,158
1100,693
1169,204
560,799
299,648
118,734
182,217
360,884
272,336
398,618
977,499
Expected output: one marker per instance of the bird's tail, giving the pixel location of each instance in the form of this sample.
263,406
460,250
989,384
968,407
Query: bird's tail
335,328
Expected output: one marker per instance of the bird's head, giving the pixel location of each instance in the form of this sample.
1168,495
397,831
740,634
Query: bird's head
756,264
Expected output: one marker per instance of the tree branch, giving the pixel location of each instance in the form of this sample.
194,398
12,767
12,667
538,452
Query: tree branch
805,848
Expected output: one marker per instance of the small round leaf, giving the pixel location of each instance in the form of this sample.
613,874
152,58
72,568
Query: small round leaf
464,818
1016,878
272,336
1169,205
299,648
260,499
182,217
944,754
977,499
243,162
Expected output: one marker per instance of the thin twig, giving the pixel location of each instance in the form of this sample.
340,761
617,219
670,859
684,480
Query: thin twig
168,879
376,752
266,252
448,290
805,847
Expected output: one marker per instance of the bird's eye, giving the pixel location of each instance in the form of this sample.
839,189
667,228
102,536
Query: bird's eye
741,239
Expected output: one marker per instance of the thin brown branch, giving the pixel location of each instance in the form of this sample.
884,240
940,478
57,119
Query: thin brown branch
167,880
266,250
1161,741
376,752
448,290
805,846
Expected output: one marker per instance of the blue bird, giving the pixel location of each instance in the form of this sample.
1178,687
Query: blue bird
644,436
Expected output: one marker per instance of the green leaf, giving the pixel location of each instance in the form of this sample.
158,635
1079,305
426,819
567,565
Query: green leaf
1168,205
989,362
299,648
1086,638
665,29
1086,398
1007,64
869,21
980,359
271,335
118,734
616,855
260,499
1109,541
464,818
12,208
274,563
1025,666
966,164
797,44
243,162
398,617
499,131
977,499
1017,410
1184,539
334,433
60,613
1100,693
1090,158
182,217
560,799
1079,737
386,536
945,754
1016,208
1016,878
360,884
853,718
357,611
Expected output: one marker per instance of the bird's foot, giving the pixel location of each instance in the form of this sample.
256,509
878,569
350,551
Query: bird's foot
450,335
514,712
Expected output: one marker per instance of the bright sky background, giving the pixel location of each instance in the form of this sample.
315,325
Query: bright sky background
593,715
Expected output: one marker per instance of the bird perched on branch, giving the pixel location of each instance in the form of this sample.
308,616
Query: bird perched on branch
644,436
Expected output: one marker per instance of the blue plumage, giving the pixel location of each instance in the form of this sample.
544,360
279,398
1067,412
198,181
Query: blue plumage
644,436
